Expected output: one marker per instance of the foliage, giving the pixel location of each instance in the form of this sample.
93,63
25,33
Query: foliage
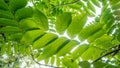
37,32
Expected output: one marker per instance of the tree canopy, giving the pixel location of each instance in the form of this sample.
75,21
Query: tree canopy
60,33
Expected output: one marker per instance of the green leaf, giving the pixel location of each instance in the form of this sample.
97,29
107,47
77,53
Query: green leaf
30,36
84,64
52,61
99,64
15,36
17,4
112,2
116,6
69,63
77,24
104,41
3,49
10,29
16,48
58,61
79,51
117,12
44,40
104,14
27,24
67,48
53,48
89,13
6,14
9,49
3,5
96,35
103,65
90,6
89,30
24,13
8,22
41,20
91,53
46,60
63,21
96,2
118,36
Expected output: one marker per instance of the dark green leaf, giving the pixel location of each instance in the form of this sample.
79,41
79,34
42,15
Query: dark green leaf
8,22
10,29
17,4
23,13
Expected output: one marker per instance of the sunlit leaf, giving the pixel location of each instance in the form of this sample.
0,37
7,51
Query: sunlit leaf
41,20
43,41
30,36
63,21
77,24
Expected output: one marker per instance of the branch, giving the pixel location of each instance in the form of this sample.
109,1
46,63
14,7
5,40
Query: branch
105,55
114,53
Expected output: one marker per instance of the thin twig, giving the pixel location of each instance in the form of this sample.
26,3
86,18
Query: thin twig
104,55
114,53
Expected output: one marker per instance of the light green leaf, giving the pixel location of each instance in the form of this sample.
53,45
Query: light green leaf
67,48
46,60
89,13
90,6
63,21
96,35
92,53
52,61
27,24
44,40
3,49
89,30
69,63
53,48
58,61
77,24
30,36
104,41
79,51
96,2
41,20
